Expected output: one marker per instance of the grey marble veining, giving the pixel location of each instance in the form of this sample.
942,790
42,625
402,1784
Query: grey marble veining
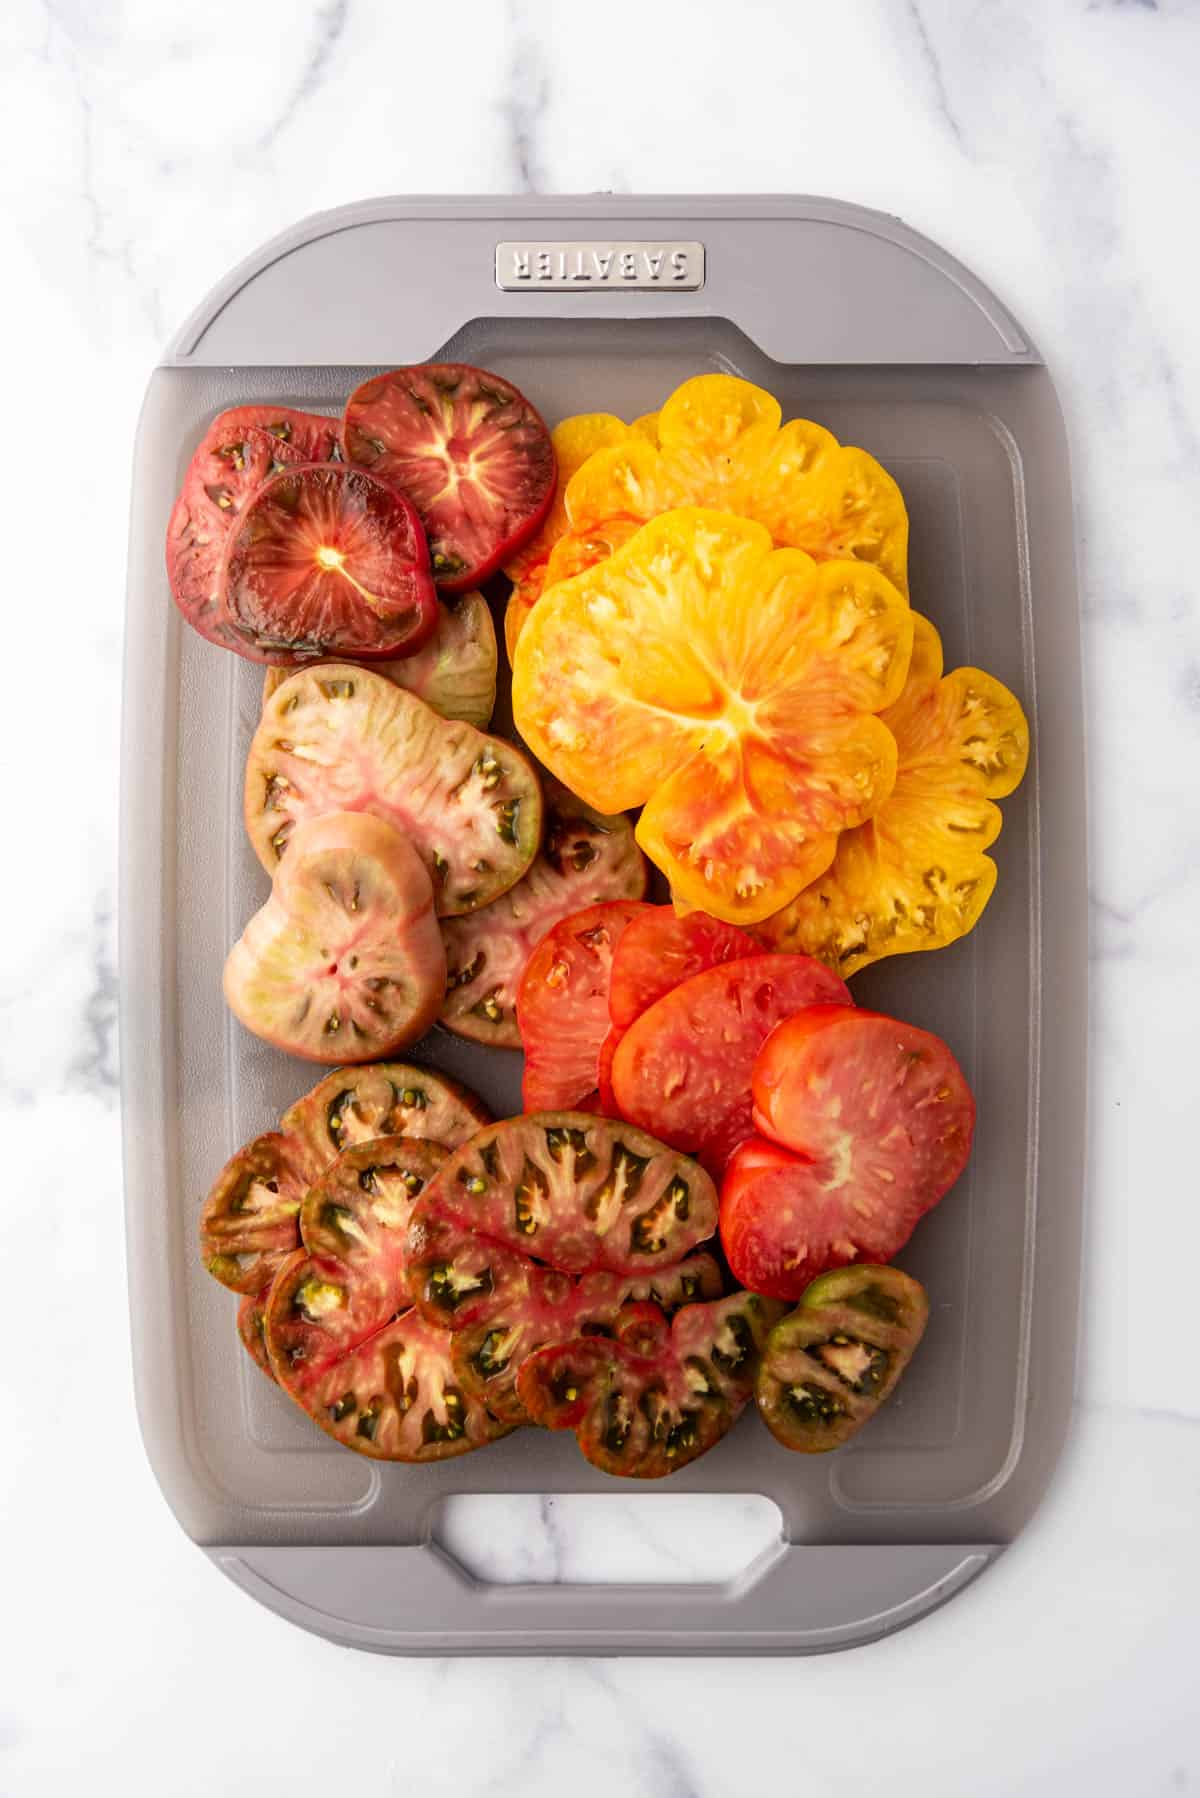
148,147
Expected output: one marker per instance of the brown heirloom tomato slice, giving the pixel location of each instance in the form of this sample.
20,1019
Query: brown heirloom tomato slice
344,962
659,950
683,1068
386,1098
251,1327
575,1191
343,739
728,687
829,1365
468,450
872,1121
719,442
249,1223
240,450
562,1006
341,1342
325,560
657,1395
585,859
535,1306
454,672
915,876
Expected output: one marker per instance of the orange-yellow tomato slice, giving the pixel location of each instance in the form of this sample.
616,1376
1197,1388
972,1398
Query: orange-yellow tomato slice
720,442
730,688
915,876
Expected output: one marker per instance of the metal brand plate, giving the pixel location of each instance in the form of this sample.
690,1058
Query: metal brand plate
584,267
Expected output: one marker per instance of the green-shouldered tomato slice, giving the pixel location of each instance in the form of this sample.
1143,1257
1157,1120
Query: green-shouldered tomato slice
249,1223
829,1364
383,1098
468,450
240,450
656,1395
585,859
683,1069
251,1327
562,1006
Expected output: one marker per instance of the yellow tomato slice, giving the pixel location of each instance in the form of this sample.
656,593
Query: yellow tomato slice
729,687
720,443
915,876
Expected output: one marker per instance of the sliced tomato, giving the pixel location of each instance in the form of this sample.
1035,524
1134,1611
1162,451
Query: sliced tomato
342,739
606,1099
585,859
660,950
325,560
562,1006
388,1098
829,1365
250,1220
251,1326
539,1306
683,1068
345,961
468,450
575,1191
239,451
878,1120
656,1395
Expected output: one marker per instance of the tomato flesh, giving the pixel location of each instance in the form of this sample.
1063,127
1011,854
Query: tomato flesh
251,1327
239,451
660,950
470,452
250,1220
386,1098
829,1364
877,1120
562,1006
683,1068
585,859
325,560
345,961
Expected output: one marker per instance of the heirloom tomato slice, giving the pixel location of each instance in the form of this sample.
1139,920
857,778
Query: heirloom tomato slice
536,1306
683,1068
585,859
658,950
454,672
325,560
720,443
249,1223
384,1098
573,440
251,1328
829,1364
656,1395
468,450
342,739
730,689
570,555
574,1191
869,1122
239,451
562,1006
915,876
345,961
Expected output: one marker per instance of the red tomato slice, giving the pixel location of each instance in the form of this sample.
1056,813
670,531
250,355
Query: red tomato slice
682,1070
878,1120
660,950
562,1006
326,560
470,452
604,1085
241,448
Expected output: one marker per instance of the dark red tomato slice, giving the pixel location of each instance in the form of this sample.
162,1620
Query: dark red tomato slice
241,448
683,1068
325,560
660,950
881,1117
606,1098
655,1396
585,859
251,1326
537,1306
470,452
562,1006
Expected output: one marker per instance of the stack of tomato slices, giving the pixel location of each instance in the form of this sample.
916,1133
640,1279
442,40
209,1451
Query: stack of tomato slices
716,670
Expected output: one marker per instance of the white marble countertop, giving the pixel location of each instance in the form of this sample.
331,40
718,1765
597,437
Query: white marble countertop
1052,145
